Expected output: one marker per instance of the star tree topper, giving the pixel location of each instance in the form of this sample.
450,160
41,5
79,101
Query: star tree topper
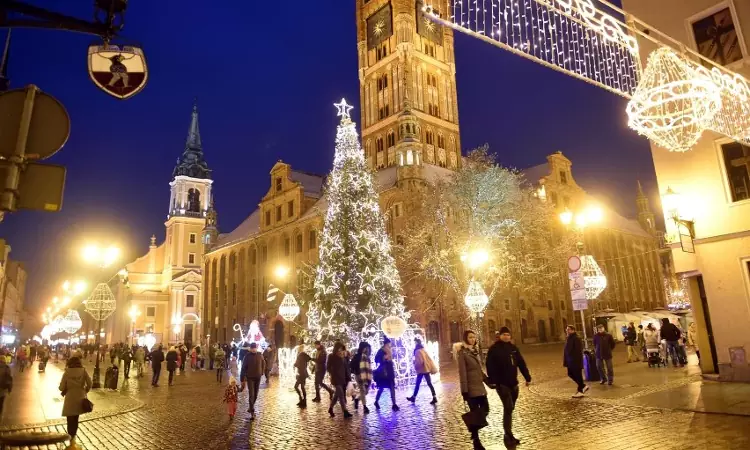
343,110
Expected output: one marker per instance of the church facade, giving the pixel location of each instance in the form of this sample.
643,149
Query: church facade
165,284
410,135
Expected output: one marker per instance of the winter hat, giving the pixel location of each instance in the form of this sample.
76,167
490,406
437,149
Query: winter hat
504,330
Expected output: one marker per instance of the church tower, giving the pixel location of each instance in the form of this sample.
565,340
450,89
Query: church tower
645,216
188,205
406,64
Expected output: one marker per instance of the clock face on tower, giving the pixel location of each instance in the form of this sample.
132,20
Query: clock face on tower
427,28
379,26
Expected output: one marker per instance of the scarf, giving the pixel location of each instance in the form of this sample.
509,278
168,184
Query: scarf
365,371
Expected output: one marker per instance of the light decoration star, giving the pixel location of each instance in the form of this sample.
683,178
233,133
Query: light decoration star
378,28
343,110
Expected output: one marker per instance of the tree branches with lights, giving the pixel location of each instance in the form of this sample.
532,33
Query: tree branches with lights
356,280
483,206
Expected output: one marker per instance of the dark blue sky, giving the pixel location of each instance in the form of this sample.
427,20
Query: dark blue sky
265,77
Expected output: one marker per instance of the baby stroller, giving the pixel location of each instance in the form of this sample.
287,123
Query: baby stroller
655,356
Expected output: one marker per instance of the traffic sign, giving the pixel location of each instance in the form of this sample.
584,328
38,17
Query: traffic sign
574,263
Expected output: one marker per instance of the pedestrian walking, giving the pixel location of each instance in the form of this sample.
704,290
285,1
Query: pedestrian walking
230,397
6,383
604,343
300,364
425,367
157,357
194,358
74,386
671,334
573,360
21,358
268,355
504,360
183,357
172,365
140,358
362,370
127,357
253,367
385,374
340,374
471,377
641,342
211,356
320,371
631,340
219,364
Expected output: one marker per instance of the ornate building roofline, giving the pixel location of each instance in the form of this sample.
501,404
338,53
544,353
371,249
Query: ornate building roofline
192,162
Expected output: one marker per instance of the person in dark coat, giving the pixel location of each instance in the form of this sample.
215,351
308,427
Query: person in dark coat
340,373
157,357
573,360
303,359
183,356
320,371
171,363
631,340
604,343
269,355
253,367
127,357
385,374
471,380
211,356
504,360
670,333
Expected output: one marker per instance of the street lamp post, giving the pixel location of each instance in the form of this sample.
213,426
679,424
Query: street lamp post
101,303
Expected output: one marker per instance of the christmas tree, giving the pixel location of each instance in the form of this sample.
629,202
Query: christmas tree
356,283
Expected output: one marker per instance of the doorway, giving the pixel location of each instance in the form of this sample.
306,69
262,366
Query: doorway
542,330
188,334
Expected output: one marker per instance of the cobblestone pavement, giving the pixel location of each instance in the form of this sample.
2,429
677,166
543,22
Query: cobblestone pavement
190,415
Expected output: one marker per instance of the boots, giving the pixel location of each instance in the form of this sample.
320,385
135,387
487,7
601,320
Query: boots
302,403
316,399
330,411
356,403
478,444
347,414
411,399
434,400
365,409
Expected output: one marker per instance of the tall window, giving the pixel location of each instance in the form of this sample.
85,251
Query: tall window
381,52
379,147
563,177
299,243
313,239
234,293
737,165
151,311
287,246
507,304
278,184
278,214
383,83
253,255
429,138
429,49
192,238
268,218
254,290
264,254
432,96
391,139
716,37
441,141
191,258
290,208
383,112
190,301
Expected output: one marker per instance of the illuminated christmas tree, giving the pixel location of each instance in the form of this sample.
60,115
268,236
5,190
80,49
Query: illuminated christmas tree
356,283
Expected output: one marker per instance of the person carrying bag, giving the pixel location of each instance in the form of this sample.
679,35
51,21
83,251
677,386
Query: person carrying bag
74,386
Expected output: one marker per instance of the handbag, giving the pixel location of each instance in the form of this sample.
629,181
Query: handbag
86,405
475,419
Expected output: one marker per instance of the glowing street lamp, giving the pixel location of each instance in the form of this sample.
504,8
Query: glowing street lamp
133,313
102,257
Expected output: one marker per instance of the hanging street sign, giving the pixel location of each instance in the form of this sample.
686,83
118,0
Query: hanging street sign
120,71
578,289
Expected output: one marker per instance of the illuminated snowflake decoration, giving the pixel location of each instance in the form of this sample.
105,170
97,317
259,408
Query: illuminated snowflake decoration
379,27
429,25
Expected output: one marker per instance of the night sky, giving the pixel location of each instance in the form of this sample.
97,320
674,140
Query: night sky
265,78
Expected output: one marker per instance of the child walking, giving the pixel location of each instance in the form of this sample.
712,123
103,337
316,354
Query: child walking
230,397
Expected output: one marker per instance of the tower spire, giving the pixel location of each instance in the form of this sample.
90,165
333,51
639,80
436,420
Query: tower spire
640,190
194,134
4,81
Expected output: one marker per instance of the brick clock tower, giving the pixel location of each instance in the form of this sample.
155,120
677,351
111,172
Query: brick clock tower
407,76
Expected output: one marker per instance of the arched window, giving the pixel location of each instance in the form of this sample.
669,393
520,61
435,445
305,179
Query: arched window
433,331
492,326
193,200
390,139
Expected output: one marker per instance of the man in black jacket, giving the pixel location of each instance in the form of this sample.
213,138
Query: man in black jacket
157,357
631,339
503,362
253,367
573,360
670,333
320,371
604,343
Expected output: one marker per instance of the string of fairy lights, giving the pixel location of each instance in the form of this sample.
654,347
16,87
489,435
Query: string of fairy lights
674,100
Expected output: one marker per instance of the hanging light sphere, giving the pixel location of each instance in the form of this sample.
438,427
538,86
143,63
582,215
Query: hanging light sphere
675,101
476,300
289,309
72,322
57,324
